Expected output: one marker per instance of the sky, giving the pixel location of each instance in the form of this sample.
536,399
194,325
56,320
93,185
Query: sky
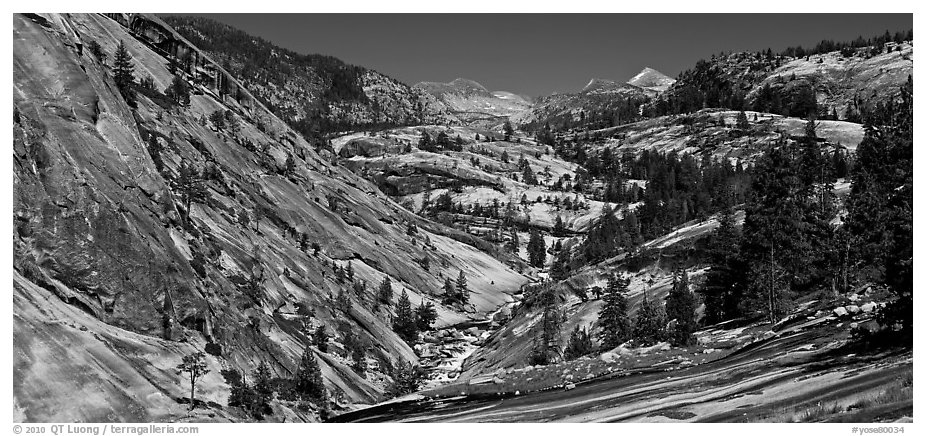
539,54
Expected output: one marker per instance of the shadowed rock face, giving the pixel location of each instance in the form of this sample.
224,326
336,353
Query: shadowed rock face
100,234
307,90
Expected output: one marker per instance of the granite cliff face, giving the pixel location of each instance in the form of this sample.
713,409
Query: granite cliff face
109,260
315,94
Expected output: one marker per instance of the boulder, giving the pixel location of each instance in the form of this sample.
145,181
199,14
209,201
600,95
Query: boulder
569,386
840,311
852,308
868,307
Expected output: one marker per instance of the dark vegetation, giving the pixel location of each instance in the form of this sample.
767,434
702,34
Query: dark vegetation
315,82
724,80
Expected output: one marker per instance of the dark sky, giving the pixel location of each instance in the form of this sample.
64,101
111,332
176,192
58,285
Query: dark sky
538,54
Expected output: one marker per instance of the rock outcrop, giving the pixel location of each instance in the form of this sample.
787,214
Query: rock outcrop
104,242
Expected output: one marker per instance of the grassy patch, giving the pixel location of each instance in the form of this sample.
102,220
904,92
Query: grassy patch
898,391
895,400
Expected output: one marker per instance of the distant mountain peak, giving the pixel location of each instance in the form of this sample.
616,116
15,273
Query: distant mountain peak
651,79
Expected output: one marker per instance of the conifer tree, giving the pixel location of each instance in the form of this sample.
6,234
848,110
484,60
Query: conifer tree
613,319
508,131
546,344
263,382
879,223
342,301
559,269
384,293
580,344
513,243
404,323
742,123
178,92
724,282
406,378
192,187
124,73
425,315
536,249
559,229
649,323
194,365
450,293
462,288
359,360
308,381
680,306
320,338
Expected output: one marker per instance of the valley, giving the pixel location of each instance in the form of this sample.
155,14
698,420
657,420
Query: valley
334,245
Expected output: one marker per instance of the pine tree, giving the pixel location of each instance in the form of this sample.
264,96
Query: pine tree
320,338
513,243
124,73
192,187
406,378
425,315
724,281
777,246
559,269
462,289
527,175
443,140
359,360
580,344
308,381
263,382
450,293
508,131
649,323
290,165
342,301
404,322
742,123
536,249
559,229
613,319
178,92
384,293
879,223
194,365
546,344
680,306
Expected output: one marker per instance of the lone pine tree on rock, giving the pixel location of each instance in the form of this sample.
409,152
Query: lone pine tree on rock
194,365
